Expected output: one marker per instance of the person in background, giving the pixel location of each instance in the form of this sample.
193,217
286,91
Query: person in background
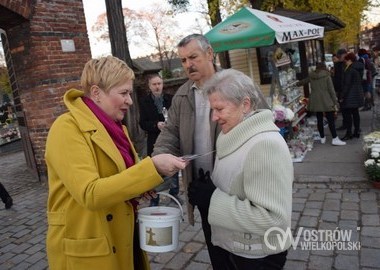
152,121
250,189
5,197
335,59
339,66
352,97
376,63
95,177
366,79
323,101
375,57
189,129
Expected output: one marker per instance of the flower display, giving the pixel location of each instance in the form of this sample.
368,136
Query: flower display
297,148
289,115
9,134
9,130
372,148
281,113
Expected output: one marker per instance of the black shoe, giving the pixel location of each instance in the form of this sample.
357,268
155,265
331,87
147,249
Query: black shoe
8,203
347,137
357,134
341,128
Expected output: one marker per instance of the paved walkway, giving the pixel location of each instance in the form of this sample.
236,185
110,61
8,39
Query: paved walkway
330,192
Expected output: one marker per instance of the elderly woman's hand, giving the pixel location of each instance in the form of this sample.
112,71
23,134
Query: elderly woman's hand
200,190
168,165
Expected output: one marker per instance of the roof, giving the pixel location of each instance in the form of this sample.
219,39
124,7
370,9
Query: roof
328,21
9,19
144,64
174,63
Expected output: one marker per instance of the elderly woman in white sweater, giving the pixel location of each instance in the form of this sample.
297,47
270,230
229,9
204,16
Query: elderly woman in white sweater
251,188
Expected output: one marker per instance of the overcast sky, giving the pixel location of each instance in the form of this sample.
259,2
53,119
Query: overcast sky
93,8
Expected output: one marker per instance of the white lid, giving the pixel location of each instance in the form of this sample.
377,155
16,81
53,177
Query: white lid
159,213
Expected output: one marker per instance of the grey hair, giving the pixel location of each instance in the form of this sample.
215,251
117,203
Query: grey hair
235,86
203,42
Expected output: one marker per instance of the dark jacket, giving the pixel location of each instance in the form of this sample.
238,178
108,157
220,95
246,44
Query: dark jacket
352,92
367,67
338,77
149,117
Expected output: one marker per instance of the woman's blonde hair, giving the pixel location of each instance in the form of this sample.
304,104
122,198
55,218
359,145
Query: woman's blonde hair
106,73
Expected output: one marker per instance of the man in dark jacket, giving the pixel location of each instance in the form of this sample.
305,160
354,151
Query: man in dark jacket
153,110
352,96
338,76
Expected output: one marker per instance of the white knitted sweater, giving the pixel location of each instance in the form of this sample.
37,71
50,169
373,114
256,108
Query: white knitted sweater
253,174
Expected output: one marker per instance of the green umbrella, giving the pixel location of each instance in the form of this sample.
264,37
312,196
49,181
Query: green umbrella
249,28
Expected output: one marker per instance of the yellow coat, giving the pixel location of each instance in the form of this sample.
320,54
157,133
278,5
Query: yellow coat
91,221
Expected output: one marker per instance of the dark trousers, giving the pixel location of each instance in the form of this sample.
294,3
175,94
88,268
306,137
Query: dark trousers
219,257
222,259
330,120
4,195
271,262
351,115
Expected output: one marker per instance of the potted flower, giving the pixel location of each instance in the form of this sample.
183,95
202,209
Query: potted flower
372,168
372,164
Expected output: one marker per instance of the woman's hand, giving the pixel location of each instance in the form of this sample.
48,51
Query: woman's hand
168,165
145,197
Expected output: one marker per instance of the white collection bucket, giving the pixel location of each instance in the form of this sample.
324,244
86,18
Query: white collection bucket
159,226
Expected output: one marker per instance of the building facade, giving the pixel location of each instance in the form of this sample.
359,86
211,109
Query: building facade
46,46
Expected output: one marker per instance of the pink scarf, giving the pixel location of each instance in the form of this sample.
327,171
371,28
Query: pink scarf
115,130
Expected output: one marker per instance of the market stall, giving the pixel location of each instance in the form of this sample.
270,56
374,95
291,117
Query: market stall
250,28
9,130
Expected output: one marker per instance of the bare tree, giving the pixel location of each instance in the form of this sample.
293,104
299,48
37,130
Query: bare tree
155,27
119,46
100,28
215,18
149,28
119,42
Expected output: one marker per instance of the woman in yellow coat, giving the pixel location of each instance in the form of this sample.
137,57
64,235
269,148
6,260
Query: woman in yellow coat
95,177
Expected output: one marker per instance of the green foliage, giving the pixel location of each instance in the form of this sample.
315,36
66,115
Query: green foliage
351,12
167,74
179,5
231,6
5,85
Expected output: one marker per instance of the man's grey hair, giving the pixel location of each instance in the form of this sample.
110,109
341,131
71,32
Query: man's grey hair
235,86
203,42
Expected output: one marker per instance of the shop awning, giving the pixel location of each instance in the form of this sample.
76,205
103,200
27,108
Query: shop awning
328,21
250,28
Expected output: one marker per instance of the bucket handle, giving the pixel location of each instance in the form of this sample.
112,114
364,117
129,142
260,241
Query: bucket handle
174,199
